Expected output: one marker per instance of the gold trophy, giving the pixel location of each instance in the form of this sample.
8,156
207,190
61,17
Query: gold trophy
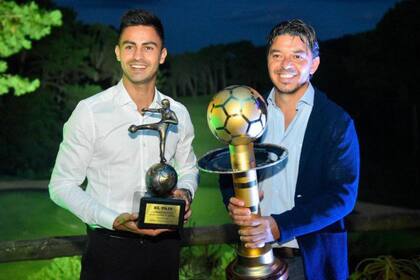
237,116
158,209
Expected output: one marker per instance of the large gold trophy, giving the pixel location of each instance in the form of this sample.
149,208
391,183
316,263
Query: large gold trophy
237,116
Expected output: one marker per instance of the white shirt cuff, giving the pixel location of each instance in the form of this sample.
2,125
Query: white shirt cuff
107,217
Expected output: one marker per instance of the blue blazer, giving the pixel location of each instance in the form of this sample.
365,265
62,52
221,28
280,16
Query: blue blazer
326,191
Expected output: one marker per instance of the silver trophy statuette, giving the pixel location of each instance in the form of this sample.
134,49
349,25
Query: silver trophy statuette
160,210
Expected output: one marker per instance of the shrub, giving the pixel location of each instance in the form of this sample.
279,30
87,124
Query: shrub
197,262
387,268
59,268
205,261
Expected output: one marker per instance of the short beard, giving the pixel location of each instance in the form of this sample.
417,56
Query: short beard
293,90
141,82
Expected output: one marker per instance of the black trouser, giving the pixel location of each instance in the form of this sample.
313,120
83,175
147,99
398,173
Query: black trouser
293,257
121,255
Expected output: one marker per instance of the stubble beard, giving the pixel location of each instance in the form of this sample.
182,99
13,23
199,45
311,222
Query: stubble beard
291,91
141,81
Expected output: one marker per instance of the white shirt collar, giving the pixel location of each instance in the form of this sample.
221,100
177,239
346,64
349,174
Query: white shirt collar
307,98
123,98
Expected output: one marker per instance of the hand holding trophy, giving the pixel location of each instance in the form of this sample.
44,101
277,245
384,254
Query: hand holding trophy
159,210
237,116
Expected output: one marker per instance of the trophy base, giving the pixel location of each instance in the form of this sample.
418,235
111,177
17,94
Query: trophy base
161,213
277,270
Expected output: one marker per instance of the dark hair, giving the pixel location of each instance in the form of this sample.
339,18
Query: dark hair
296,27
141,17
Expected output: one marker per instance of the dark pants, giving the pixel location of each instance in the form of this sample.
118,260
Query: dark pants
296,270
120,255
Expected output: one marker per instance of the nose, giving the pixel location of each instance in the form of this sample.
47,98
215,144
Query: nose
138,54
286,63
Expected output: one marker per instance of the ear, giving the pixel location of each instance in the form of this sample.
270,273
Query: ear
117,52
315,64
163,54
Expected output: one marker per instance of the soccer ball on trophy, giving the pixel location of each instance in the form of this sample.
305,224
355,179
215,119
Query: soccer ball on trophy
161,179
237,115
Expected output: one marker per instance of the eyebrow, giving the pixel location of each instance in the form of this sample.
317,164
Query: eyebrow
299,51
150,43
294,51
273,51
128,42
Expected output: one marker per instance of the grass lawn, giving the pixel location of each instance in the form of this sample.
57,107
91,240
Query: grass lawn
31,215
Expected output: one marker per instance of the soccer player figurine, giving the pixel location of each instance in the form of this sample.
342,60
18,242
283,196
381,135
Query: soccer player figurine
168,117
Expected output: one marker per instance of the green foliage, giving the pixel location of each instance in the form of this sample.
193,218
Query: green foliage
19,24
3,66
29,148
20,270
72,63
76,54
206,261
212,68
29,144
383,100
161,78
75,93
197,262
100,41
387,268
19,84
60,268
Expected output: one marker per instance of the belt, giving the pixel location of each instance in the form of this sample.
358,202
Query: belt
130,235
286,252
114,233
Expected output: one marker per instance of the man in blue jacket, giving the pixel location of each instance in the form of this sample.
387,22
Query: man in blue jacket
304,204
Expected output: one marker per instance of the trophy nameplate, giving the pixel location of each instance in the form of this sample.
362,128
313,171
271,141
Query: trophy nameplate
158,212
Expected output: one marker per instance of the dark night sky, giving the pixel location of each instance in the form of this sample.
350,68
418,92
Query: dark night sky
192,24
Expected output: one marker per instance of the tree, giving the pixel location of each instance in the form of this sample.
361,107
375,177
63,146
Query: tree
19,24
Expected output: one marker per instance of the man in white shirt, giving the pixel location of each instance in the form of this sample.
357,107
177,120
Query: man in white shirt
98,146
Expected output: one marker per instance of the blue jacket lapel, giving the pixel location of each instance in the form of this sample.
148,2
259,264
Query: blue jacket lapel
312,133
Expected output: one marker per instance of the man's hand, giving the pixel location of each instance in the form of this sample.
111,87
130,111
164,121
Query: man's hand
185,195
127,222
255,230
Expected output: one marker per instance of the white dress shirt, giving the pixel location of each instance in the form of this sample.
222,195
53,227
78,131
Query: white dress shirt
278,184
98,146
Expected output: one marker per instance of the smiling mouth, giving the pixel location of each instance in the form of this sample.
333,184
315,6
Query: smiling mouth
138,66
287,76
